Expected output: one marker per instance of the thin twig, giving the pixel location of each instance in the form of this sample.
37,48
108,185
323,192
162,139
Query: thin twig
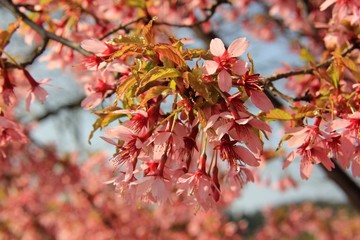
42,32
212,11
308,70
122,27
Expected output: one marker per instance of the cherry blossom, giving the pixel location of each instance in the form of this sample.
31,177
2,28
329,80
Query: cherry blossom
225,62
35,90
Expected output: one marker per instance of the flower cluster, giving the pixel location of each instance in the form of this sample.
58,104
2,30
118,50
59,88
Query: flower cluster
206,129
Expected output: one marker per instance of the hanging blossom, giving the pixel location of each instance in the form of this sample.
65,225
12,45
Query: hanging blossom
7,89
310,147
347,143
35,91
225,62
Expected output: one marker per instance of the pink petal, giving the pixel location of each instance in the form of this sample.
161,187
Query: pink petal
29,99
347,149
210,67
246,156
258,124
225,81
355,166
222,130
161,189
217,47
162,137
306,168
326,4
211,121
338,124
119,132
322,156
92,100
260,100
238,47
240,67
248,136
289,159
297,139
108,140
94,45
243,121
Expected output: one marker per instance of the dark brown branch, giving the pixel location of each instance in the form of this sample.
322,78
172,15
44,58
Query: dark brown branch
122,27
36,53
309,70
211,13
41,31
348,185
69,106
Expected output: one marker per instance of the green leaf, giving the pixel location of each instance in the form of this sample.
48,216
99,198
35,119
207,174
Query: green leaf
125,86
157,73
334,74
147,32
252,67
278,114
170,52
128,49
204,89
6,34
201,117
136,3
153,92
106,116
306,56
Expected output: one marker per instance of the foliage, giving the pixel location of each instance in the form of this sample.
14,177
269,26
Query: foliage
188,124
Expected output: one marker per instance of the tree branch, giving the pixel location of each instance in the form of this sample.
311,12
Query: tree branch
122,27
309,70
212,11
348,185
42,32
69,106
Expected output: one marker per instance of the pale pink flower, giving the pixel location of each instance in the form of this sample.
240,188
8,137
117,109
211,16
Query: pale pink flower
153,188
7,89
254,89
242,128
233,153
225,63
98,93
238,176
101,52
198,188
133,143
35,92
326,4
11,132
310,147
285,183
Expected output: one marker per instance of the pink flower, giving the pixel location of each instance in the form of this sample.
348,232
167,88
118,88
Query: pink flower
254,89
154,188
231,152
238,176
8,89
99,91
311,148
198,187
101,52
133,143
241,128
35,92
225,63
10,132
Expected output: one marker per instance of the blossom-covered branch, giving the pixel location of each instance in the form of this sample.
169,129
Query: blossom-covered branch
43,33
